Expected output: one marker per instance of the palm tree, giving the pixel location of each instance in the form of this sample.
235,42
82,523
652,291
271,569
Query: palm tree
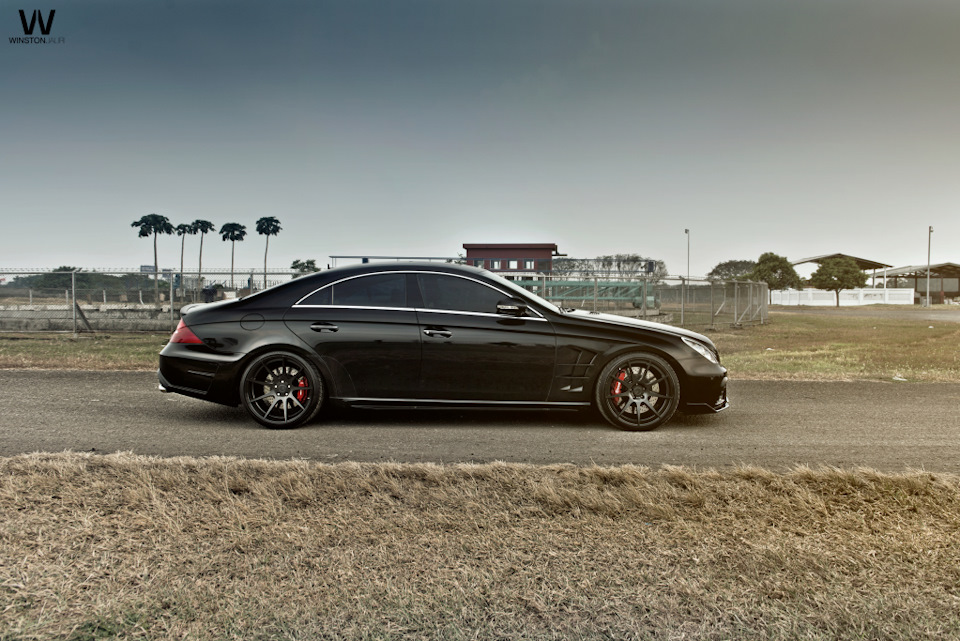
267,226
182,231
232,232
153,224
201,227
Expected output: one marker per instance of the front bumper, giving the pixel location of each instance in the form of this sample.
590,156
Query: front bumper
710,397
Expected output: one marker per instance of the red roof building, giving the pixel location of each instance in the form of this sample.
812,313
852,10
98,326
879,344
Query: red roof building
512,257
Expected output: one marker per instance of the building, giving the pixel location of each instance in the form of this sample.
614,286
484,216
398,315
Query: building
944,280
512,257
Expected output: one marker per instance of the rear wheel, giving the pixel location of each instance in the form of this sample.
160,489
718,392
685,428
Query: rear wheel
281,390
637,392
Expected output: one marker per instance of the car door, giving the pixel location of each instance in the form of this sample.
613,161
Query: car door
472,353
366,334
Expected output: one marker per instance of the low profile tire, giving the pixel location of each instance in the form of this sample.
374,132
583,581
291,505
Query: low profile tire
281,390
637,392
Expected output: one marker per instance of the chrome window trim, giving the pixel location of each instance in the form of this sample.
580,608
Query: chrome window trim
299,304
421,309
386,309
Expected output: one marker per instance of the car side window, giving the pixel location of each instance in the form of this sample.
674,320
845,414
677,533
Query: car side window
458,294
378,290
322,297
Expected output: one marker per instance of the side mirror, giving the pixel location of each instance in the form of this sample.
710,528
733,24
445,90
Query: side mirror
512,307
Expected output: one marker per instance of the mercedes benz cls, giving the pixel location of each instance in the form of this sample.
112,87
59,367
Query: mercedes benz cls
433,335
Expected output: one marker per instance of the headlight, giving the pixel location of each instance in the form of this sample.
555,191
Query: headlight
701,349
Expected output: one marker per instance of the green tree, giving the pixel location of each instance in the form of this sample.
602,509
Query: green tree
232,232
58,278
152,225
836,274
304,267
732,270
267,226
182,231
201,227
776,271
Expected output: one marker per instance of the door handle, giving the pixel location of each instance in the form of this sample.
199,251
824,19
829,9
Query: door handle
324,327
442,333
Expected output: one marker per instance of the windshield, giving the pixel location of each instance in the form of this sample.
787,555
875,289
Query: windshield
522,292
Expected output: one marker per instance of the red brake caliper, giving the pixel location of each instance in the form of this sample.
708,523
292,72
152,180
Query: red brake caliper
617,387
302,395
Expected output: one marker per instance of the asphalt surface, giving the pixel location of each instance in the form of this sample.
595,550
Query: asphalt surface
887,426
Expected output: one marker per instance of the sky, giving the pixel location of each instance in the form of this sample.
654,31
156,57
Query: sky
411,127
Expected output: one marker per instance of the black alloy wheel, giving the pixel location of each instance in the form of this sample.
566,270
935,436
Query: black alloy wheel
281,390
637,392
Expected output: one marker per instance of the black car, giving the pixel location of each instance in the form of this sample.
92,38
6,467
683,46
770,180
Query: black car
433,335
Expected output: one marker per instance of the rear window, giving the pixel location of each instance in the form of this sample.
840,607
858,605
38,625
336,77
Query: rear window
378,290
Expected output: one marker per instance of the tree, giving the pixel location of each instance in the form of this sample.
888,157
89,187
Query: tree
732,270
182,231
630,266
232,232
835,274
776,271
620,265
304,267
201,227
153,224
267,226
570,267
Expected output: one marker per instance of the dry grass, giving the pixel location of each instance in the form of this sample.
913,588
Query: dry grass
828,346
132,547
819,345
84,351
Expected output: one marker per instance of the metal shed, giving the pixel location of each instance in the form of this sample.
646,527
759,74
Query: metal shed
863,263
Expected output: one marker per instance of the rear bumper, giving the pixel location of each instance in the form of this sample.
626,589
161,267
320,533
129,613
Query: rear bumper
204,376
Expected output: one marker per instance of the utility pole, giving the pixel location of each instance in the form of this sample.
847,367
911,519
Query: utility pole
929,236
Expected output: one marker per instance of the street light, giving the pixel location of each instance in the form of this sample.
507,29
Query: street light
687,232
929,235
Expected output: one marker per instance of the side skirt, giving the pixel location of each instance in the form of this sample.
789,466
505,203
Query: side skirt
426,403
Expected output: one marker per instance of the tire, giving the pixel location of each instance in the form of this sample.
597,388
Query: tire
637,392
281,390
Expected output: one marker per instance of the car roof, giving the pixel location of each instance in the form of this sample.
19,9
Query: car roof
297,288
366,268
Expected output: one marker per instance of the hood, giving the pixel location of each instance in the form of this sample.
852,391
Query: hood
625,321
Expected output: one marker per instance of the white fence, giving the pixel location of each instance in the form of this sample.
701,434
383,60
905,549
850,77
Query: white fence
848,297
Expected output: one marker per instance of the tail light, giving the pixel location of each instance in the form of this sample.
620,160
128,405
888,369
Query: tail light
184,334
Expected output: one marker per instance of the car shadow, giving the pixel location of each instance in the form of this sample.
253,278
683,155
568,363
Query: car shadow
403,418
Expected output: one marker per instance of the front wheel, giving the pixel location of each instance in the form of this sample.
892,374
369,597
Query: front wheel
637,392
281,390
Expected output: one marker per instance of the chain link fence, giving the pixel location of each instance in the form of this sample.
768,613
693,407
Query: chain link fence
134,301
137,301
691,303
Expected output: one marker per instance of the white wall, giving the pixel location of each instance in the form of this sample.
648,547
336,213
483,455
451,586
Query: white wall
848,297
